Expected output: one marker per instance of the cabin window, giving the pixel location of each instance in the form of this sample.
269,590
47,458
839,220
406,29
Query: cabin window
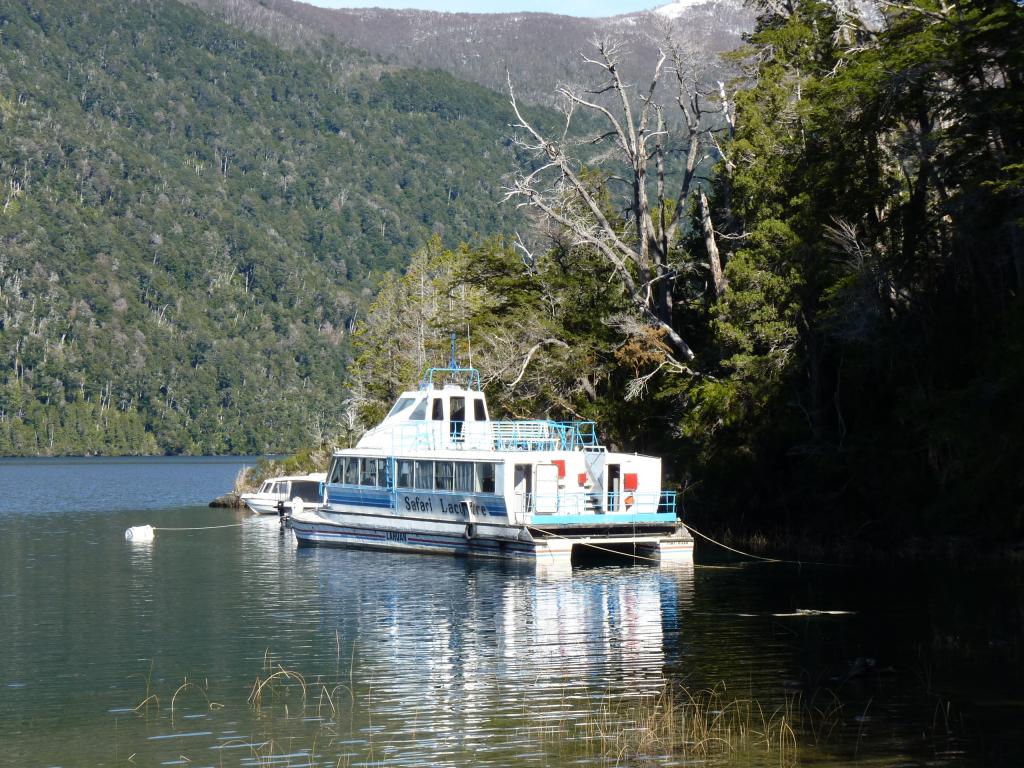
457,408
485,478
479,412
437,410
368,476
336,471
419,413
457,414
424,475
403,404
306,491
278,488
382,472
404,473
443,474
352,471
463,476
266,487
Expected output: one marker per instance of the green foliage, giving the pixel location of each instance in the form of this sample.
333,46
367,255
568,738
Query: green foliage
191,219
864,354
306,460
536,329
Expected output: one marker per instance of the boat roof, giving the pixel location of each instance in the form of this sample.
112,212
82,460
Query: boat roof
313,476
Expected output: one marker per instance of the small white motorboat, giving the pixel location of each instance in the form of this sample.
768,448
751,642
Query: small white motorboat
279,492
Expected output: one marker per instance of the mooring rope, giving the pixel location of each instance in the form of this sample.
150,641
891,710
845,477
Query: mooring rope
202,528
704,536
692,530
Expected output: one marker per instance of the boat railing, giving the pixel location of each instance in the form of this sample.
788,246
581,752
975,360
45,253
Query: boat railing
543,435
453,374
540,435
596,504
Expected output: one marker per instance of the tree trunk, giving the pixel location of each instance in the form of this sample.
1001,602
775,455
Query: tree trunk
718,282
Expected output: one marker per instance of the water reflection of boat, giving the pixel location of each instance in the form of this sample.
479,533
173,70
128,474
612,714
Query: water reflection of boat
276,491
437,475
471,656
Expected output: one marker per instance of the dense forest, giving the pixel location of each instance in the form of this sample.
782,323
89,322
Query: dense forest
191,218
840,353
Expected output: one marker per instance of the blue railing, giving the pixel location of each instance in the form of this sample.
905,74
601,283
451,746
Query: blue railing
598,505
495,435
467,377
544,435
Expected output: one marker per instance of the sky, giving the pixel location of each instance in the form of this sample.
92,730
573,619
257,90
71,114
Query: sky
567,7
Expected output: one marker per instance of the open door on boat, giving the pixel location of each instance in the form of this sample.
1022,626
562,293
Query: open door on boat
523,480
614,486
457,418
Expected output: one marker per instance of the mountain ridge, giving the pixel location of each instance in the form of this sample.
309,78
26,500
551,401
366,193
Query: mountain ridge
538,50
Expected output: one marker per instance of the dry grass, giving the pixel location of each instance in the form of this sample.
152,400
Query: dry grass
703,725
673,724
244,482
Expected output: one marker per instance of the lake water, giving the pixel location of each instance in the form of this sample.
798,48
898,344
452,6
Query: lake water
230,647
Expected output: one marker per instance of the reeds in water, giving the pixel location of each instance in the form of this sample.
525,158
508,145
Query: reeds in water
327,721
703,725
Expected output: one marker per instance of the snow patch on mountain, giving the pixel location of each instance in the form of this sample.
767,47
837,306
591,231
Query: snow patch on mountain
678,8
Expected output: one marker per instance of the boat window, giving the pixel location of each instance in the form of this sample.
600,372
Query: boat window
457,416
457,408
463,476
382,473
437,410
404,473
278,488
306,490
443,475
352,471
336,471
266,487
485,478
479,412
419,413
424,475
403,404
368,476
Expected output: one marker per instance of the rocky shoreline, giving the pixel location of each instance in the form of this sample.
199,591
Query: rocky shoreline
228,500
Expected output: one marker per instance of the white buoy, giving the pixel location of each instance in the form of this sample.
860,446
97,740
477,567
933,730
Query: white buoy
139,533
297,505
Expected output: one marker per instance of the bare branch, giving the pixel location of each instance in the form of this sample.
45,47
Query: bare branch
529,356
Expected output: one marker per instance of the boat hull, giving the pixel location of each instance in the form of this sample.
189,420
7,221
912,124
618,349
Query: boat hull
487,540
261,507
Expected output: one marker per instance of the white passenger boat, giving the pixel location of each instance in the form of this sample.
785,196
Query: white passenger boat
437,475
276,491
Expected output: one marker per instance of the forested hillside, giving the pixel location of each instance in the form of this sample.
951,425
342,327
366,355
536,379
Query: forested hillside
191,218
540,50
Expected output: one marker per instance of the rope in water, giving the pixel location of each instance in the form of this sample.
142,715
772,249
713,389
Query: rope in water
704,536
202,528
692,530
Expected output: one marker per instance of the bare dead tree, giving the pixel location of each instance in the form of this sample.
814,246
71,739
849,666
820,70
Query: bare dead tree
640,138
